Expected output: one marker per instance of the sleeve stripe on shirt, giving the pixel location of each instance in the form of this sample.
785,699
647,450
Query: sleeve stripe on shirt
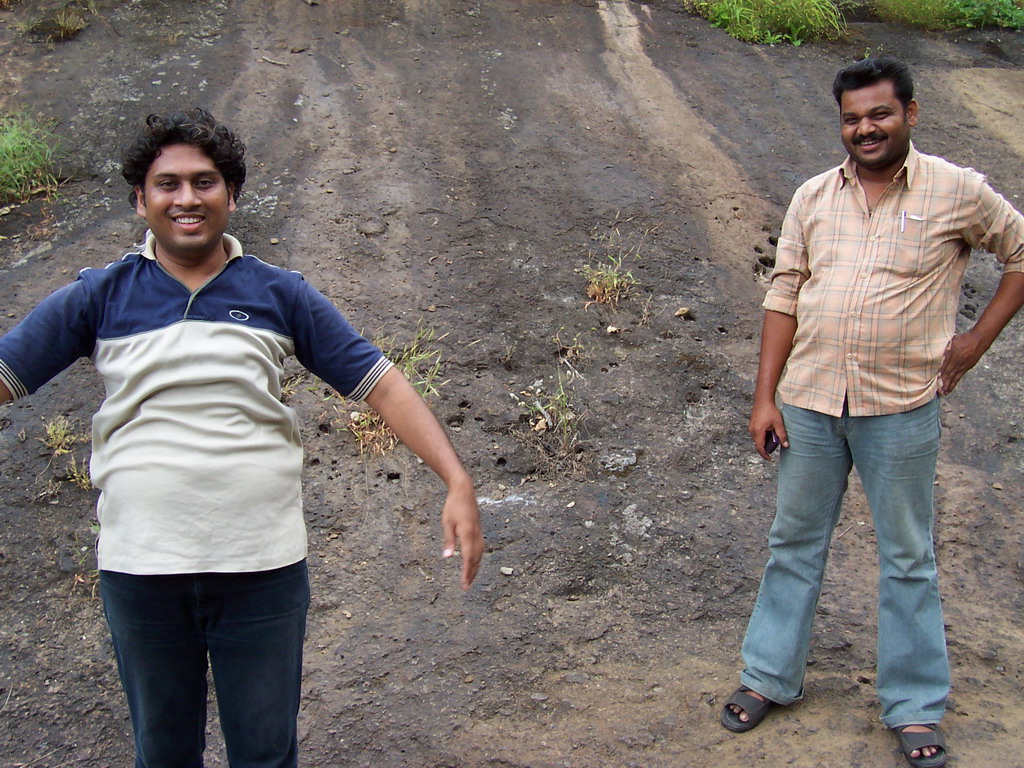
12,382
375,374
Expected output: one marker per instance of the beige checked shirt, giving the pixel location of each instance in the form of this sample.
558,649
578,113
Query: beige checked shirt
876,294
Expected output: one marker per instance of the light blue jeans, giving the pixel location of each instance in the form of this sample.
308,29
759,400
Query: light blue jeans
895,458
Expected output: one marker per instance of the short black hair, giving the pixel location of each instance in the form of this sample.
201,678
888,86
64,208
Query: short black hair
870,71
195,127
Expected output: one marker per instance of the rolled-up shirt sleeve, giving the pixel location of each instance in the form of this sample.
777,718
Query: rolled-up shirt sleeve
791,262
999,229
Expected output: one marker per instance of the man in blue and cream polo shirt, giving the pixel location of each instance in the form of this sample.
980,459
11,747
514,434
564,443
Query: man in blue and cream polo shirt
202,545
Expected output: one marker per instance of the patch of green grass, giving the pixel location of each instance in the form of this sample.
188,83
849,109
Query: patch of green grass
950,14
60,436
608,280
68,22
79,475
609,283
775,21
552,429
63,22
986,13
26,157
930,14
419,359
549,411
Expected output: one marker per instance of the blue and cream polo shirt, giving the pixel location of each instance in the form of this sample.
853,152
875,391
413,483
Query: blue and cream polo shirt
197,459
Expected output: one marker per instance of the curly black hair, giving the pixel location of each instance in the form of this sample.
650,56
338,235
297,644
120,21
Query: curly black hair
196,127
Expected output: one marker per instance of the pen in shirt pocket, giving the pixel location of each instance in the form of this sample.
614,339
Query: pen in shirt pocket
903,219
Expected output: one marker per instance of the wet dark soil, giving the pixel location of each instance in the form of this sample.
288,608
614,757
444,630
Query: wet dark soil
455,166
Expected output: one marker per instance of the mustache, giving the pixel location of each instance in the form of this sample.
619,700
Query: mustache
877,136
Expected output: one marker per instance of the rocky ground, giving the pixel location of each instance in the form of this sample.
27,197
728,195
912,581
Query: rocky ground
454,166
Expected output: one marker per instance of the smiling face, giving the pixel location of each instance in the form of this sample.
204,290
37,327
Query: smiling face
186,204
875,128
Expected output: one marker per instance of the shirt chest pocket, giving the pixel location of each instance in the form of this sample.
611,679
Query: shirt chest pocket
912,245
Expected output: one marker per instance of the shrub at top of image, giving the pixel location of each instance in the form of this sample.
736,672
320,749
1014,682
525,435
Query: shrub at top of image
950,14
775,21
800,21
26,157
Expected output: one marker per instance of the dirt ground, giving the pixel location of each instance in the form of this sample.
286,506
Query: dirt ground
455,165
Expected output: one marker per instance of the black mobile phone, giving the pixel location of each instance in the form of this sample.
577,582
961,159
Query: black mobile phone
771,441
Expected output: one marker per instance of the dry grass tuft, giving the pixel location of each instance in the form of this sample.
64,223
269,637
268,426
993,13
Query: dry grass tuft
552,430
59,436
420,362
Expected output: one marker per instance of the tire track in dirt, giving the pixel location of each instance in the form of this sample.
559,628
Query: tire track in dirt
996,97
342,153
670,126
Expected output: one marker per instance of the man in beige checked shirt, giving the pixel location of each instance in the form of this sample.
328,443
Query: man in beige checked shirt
859,342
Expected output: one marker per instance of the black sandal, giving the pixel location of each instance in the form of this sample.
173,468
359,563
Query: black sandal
909,742
755,708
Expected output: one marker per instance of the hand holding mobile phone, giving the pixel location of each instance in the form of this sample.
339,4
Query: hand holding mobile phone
771,441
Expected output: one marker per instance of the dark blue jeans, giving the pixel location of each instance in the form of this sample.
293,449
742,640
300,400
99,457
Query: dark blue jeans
249,625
